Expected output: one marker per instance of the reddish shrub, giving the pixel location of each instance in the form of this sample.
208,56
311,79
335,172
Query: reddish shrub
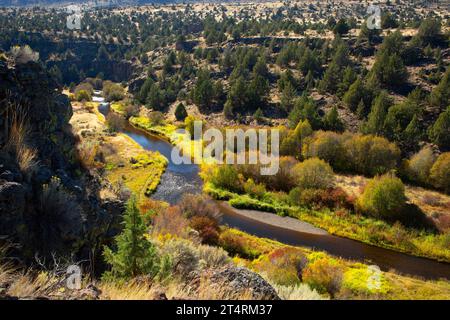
207,228
331,198
171,221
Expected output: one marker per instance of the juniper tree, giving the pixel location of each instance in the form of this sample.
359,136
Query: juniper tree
135,255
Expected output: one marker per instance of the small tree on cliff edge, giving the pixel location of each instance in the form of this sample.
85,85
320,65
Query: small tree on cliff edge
135,255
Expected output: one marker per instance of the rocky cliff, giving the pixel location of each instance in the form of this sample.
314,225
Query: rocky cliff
48,204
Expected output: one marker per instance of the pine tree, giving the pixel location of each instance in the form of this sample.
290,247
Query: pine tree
361,110
228,110
354,94
440,131
287,97
412,134
332,121
440,96
180,112
258,115
309,80
377,116
135,255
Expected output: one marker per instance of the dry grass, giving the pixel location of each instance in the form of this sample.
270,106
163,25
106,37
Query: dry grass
16,143
429,201
129,291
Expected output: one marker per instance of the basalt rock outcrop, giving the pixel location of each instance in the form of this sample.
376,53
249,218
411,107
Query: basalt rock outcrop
48,205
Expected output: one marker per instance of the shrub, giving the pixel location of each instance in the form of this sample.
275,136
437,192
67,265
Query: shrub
440,172
383,197
283,265
226,177
326,145
236,243
183,255
113,91
25,54
297,292
371,155
256,190
114,122
419,165
150,208
328,198
207,228
282,180
313,173
193,205
324,275
211,257
82,95
362,279
156,118
171,221
189,122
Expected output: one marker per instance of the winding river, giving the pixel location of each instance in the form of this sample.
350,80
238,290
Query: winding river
180,179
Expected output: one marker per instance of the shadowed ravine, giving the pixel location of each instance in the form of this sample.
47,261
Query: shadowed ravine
181,179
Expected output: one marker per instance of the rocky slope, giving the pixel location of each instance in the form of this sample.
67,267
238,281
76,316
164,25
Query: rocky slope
48,204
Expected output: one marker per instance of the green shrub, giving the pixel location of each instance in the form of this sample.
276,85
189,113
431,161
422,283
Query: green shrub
82,95
419,165
226,177
256,190
383,197
371,155
326,145
440,172
313,173
113,91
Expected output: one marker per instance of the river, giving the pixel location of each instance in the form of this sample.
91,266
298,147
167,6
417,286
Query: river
181,179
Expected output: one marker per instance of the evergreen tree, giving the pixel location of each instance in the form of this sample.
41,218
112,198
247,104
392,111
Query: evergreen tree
260,68
440,96
156,98
258,115
305,108
341,27
288,97
204,90
361,110
377,116
412,134
332,121
354,95
144,91
348,79
180,112
440,131
135,255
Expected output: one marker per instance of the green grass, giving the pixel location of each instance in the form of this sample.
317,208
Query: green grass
118,107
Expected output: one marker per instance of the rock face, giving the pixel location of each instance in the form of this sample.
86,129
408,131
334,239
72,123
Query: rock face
52,207
240,279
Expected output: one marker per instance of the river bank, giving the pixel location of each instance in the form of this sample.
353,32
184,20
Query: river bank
181,179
